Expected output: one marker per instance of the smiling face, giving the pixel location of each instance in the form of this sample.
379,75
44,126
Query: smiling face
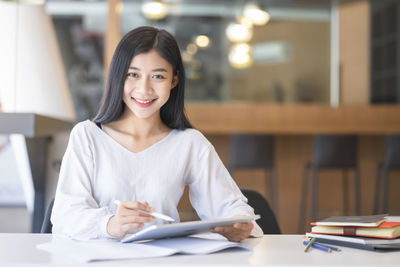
148,83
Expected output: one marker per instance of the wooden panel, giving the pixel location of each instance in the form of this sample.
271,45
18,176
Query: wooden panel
113,34
354,38
216,118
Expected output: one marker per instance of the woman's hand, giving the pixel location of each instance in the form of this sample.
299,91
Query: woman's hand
235,233
128,217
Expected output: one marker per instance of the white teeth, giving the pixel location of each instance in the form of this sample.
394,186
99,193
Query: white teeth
143,101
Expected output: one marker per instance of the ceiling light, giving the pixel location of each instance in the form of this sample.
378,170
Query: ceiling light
191,49
245,21
255,14
239,32
241,48
154,10
240,56
202,41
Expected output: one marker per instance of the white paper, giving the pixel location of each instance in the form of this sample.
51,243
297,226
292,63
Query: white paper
112,250
103,249
194,245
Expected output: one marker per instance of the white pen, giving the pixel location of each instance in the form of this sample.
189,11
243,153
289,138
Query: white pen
154,214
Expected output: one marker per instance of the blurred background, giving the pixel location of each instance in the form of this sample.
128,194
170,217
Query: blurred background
287,69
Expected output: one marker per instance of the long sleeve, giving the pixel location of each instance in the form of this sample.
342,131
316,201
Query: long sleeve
213,192
75,212
96,170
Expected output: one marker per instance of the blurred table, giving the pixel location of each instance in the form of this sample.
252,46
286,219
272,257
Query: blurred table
37,130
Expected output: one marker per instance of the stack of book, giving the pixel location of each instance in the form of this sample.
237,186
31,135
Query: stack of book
376,232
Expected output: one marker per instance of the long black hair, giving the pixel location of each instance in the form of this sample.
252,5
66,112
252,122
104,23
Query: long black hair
135,42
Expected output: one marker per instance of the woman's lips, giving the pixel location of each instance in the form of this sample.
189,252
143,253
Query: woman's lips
144,102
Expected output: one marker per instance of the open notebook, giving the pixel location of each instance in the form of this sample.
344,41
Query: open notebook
183,228
100,250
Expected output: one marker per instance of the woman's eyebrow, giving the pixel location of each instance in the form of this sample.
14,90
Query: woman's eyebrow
153,70
159,70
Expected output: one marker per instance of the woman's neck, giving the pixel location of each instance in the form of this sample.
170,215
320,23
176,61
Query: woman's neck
132,125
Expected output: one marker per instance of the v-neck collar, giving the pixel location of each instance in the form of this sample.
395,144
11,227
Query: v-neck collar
162,140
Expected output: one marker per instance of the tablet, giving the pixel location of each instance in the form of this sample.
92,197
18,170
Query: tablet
184,228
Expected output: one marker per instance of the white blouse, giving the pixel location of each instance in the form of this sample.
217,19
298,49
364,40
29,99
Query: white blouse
96,170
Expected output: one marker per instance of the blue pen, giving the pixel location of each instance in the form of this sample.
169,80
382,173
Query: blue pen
318,246
333,248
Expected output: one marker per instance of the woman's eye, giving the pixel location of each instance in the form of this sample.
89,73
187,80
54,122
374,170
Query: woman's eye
132,75
158,76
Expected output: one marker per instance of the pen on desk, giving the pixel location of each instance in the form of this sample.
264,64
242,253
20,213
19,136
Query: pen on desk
154,214
309,244
318,246
333,248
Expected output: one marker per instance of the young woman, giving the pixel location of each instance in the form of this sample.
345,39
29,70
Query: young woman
141,149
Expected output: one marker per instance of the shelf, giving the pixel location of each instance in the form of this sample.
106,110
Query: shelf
31,124
217,118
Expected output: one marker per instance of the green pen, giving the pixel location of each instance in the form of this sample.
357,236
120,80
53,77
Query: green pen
309,244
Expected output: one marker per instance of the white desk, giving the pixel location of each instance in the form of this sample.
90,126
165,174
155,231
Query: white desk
271,250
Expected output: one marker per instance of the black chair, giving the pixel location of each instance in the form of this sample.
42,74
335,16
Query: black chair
331,152
391,161
255,151
267,222
47,225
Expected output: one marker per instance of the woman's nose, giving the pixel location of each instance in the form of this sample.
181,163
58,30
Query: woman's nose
144,85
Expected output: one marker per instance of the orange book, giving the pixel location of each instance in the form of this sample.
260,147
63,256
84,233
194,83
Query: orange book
368,221
388,230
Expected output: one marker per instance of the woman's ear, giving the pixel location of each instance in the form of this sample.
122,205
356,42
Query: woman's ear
175,81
